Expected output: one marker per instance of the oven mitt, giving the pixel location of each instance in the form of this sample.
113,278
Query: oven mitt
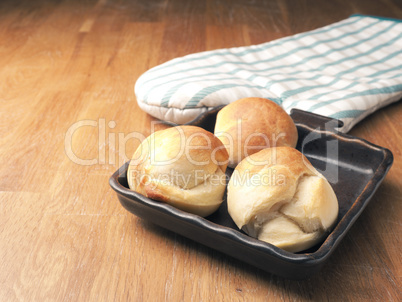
346,71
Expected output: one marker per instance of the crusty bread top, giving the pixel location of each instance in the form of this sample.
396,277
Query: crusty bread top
265,181
277,196
183,166
190,152
249,125
294,160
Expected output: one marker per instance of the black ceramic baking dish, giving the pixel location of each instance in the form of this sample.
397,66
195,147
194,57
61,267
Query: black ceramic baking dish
354,167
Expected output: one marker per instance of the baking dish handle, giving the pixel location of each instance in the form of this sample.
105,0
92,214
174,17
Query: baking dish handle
315,121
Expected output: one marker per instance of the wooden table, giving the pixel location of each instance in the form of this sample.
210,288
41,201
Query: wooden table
71,66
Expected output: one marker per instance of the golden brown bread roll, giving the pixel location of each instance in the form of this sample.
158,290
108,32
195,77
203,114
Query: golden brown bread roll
277,196
183,166
249,125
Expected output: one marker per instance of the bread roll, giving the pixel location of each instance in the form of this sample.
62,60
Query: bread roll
249,125
277,196
183,166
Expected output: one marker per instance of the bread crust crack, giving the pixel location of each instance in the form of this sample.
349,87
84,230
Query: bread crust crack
293,216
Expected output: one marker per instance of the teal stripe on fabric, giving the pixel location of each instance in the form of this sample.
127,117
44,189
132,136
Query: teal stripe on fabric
193,102
325,54
289,93
307,59
273,82
377,17
264,46
197,79
399,67
338,75
393,77
323,103
307,88
303,61
281,56
376,74
347,114
382,90
172,91
354,83
322,67
383,60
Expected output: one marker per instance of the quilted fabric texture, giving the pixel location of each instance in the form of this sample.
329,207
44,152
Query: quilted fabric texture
345,70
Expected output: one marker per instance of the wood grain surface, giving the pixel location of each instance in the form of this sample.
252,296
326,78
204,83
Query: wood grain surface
69,119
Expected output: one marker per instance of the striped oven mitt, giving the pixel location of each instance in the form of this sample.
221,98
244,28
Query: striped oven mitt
346,71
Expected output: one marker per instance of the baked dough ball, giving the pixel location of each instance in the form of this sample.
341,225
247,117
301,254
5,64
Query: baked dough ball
249,125
183,166
277,196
